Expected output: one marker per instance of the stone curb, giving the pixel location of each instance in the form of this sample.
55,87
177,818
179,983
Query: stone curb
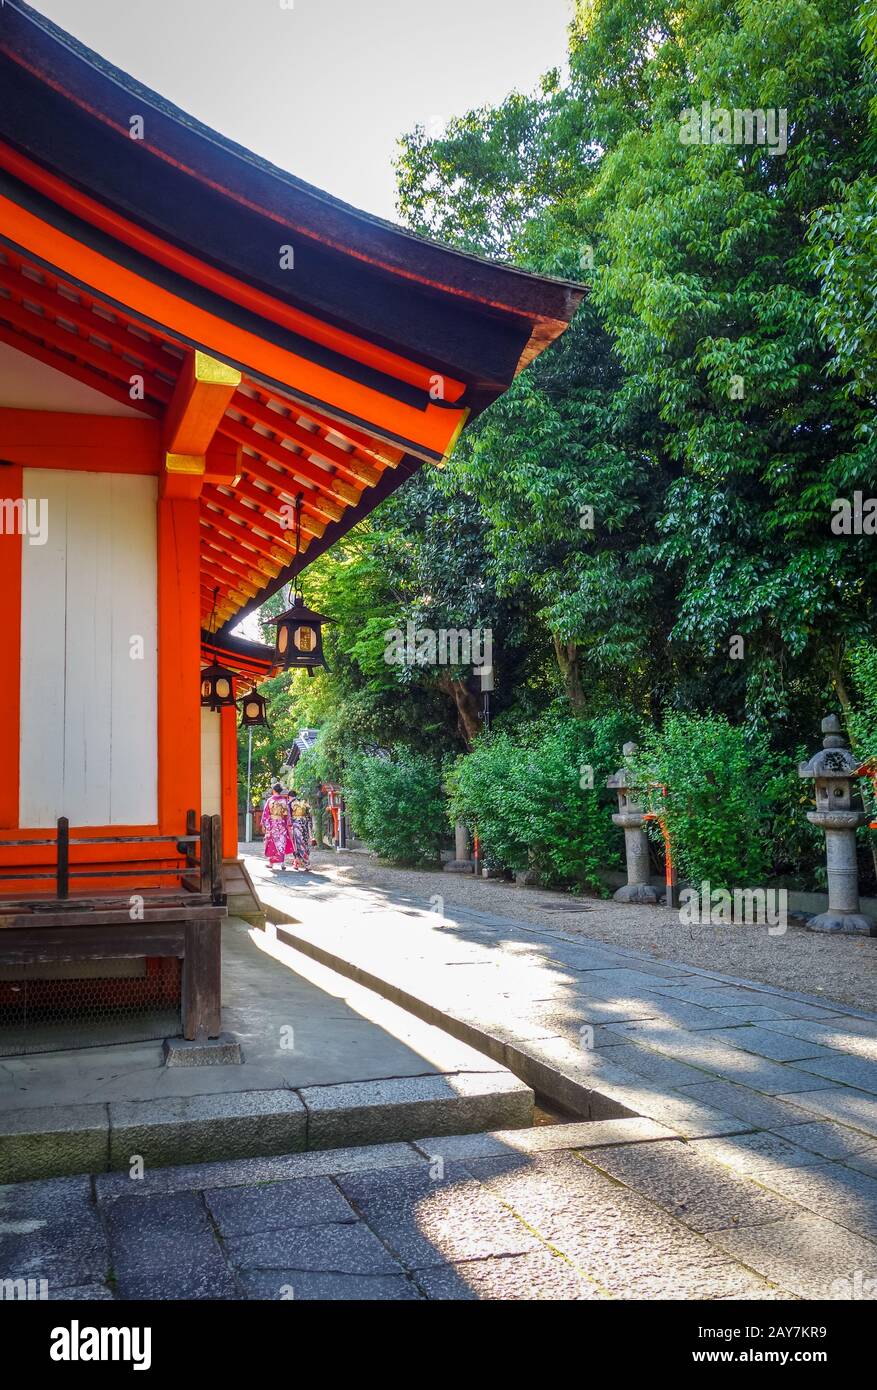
379,1112
203,1177
192,1129
53,1141
241,1172
262,1126
596,1134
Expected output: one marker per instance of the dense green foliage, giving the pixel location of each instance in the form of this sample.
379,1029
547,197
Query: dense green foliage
643,521
845,236
719,800
396,805
539,801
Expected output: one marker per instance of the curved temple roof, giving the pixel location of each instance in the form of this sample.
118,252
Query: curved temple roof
135,239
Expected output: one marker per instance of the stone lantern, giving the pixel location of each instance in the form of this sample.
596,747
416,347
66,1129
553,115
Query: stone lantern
461,863
839,812
631,817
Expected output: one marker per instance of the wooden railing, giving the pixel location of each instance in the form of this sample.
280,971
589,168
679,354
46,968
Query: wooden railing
185,922
201,849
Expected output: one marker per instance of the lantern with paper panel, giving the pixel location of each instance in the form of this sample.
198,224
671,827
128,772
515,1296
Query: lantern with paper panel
253,712
299,641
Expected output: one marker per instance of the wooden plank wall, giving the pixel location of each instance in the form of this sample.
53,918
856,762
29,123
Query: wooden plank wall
88,710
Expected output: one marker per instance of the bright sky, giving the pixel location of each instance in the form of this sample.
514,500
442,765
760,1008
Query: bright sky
324,88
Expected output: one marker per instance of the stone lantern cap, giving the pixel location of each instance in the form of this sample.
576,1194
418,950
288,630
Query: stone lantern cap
620,780
834,759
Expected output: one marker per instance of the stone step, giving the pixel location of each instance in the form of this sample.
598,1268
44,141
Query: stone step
59,1141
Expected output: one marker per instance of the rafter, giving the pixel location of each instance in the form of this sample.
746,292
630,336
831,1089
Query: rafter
348,465
383,454
242,535
215,554
233,507
288,460
25,287
41,326
229,582
314,505
286,474
250,562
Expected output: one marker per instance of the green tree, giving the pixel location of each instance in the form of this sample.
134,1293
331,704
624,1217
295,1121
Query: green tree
723,409
844,234
709,289
538,799
715,790
421,559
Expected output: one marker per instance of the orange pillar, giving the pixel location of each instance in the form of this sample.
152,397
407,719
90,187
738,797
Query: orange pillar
179,663
10,649
228,747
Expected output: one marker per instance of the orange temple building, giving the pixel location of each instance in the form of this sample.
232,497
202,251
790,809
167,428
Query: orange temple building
190,340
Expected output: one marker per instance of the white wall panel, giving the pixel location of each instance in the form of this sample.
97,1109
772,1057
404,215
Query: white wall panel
89,712
134,776
211,763
43,644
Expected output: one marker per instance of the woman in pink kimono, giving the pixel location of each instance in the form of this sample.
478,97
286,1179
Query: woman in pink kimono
276,825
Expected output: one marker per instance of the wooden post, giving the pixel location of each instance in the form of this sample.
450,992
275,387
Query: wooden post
202,981
63,872
191,829
206,852
228,763
670,875
179,659
216,893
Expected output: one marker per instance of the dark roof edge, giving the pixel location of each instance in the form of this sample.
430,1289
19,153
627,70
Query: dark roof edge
396,248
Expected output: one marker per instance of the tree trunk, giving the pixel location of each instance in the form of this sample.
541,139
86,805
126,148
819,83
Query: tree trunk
469,721
567,654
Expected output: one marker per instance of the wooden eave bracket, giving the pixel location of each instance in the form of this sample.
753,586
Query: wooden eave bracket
201,396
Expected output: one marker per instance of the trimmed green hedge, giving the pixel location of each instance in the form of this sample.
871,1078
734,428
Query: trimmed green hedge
724,791
538,798
397,806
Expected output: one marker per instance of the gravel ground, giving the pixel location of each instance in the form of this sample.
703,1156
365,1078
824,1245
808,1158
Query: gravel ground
841,969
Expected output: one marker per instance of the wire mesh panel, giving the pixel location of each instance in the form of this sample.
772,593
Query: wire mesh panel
87,1004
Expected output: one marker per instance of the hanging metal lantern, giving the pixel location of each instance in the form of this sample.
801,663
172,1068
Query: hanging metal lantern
253,713
217,687
299,640
217,682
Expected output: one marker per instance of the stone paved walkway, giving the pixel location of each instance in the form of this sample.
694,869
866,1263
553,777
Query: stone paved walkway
611,1209
773,1092
747,1170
